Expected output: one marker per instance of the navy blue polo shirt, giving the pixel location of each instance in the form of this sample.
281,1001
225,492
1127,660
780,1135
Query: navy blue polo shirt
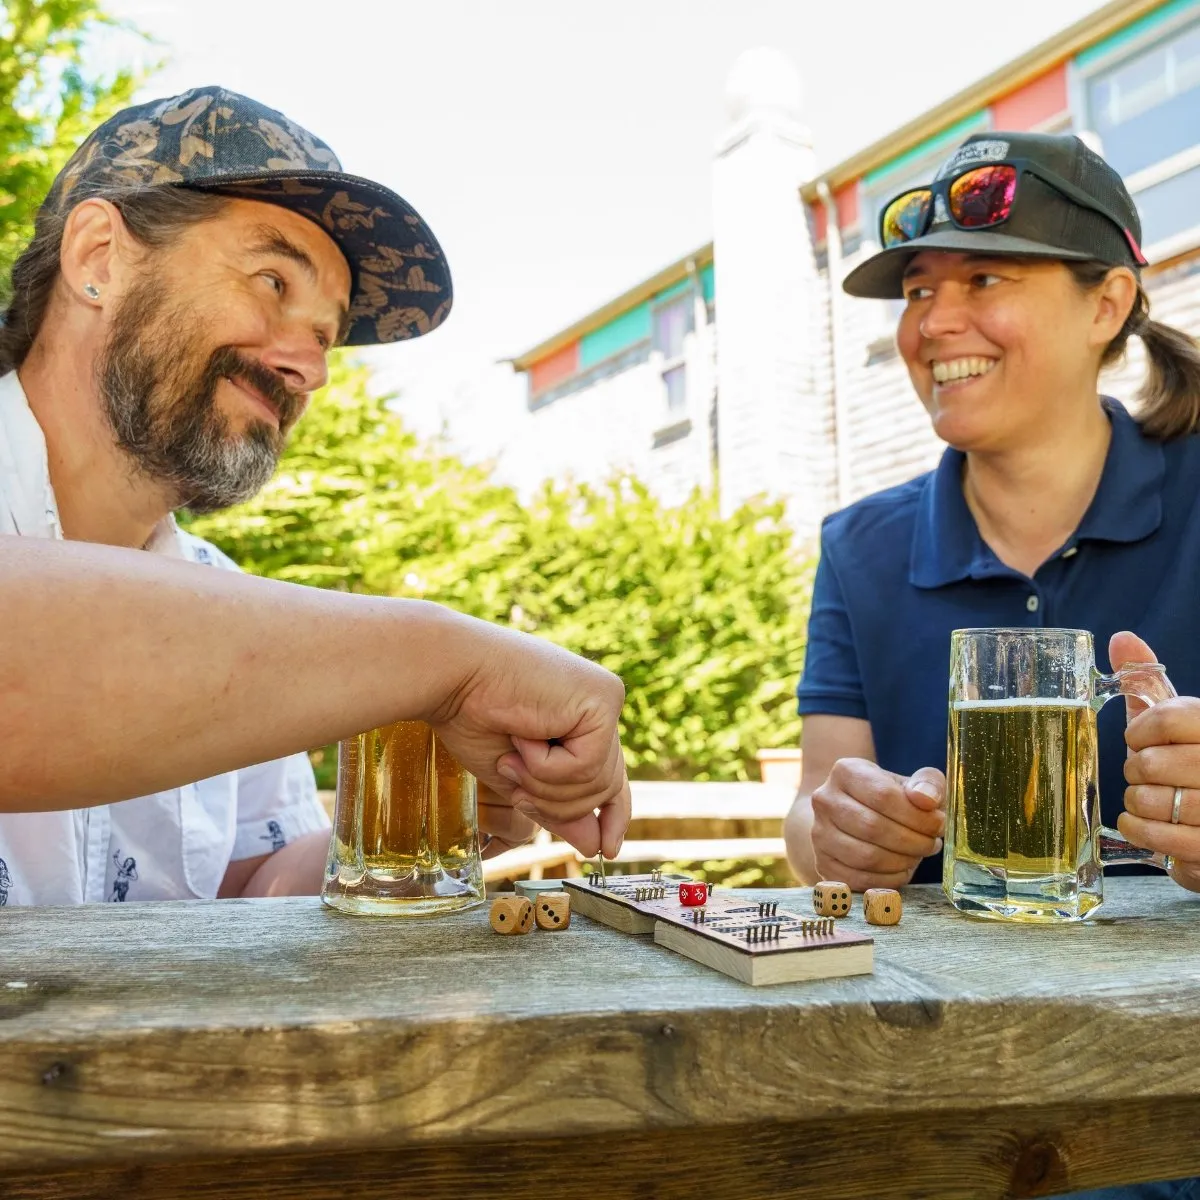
901,569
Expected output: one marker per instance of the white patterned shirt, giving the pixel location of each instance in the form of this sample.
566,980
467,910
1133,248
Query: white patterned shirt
173,845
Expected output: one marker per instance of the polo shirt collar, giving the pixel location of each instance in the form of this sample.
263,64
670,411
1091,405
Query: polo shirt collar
1127,507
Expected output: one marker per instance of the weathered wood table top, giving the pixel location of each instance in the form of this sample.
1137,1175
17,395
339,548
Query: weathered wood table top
275,1048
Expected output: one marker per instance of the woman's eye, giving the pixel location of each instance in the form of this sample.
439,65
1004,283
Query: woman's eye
274,281
917,293
984,280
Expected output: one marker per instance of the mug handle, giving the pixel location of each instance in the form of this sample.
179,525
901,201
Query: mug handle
1148,683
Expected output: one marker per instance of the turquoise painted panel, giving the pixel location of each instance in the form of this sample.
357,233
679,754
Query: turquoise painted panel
678,289
1148,23
619,334
940,141
706,284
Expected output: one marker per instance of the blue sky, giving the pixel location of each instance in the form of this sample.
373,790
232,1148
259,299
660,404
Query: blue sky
560,150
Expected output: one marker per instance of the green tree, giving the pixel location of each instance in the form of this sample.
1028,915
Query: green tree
703,617
49,102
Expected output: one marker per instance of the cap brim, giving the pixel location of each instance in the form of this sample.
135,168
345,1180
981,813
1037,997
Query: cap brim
401,283
881,276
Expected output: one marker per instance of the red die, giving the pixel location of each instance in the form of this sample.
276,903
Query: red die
693,894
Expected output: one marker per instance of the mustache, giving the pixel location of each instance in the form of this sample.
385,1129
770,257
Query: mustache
231,363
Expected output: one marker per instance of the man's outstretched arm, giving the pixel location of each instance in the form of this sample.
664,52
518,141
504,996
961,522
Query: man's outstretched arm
124,673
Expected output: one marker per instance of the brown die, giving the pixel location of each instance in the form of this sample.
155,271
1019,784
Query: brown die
553,910
881,906
831,899
511,914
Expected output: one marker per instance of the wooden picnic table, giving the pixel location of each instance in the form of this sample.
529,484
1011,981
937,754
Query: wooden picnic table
274,1048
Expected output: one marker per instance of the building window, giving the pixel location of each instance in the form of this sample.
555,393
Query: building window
675,385
1146,110
673,321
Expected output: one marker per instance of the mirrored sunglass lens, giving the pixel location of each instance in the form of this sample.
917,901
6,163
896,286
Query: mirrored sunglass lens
905,218
983,197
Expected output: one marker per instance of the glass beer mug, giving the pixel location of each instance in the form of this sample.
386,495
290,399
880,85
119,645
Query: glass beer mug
405,828
1023,836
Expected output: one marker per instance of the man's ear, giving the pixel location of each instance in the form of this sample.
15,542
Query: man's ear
95,253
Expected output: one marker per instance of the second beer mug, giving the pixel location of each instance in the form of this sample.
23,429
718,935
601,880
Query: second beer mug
405,831
1023,835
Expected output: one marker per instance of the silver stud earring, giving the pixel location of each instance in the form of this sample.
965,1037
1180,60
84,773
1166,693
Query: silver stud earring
91,291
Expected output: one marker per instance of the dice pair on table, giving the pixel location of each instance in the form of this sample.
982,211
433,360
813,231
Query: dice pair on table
511,913
881,906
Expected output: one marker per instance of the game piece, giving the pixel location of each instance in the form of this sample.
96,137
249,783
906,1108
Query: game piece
552,910
531,889
511,914
693,893
882,906
750,940
831,899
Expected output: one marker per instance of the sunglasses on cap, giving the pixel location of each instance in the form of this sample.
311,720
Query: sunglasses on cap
980,198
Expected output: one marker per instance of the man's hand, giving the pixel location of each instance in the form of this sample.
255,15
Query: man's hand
502,825
537,726
1164,745
871,828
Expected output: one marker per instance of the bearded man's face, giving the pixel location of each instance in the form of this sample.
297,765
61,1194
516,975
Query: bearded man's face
212,355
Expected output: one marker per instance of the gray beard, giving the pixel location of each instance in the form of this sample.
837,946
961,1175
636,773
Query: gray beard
161,407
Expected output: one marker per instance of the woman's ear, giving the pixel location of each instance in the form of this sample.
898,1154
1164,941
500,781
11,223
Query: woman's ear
1114,299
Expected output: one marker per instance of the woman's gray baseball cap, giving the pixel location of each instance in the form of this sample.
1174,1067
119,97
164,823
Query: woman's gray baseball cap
1044,223
216,140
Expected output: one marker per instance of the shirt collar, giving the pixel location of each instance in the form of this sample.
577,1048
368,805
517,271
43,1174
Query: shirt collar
1127,507
25,475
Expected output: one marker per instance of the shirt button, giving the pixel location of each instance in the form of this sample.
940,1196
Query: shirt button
1069,553
1032,604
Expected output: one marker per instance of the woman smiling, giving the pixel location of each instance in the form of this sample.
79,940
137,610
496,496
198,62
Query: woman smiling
1020,269
1052,506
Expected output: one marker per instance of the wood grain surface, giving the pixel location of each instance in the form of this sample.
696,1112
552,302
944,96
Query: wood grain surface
276,1048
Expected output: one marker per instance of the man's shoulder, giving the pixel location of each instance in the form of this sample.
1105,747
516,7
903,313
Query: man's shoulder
882,521
200,551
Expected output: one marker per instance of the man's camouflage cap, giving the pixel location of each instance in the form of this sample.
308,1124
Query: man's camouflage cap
216,140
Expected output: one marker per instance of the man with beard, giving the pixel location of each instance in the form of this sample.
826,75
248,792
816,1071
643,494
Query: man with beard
191,267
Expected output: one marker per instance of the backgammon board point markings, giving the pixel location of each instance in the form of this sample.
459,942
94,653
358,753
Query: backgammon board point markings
754,941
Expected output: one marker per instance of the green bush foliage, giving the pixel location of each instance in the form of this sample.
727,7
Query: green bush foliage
703,617
49,102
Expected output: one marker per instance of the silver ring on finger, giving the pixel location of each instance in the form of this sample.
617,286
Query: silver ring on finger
1176,806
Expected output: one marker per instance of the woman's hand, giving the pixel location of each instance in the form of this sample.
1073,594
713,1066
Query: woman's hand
871,828
1164,745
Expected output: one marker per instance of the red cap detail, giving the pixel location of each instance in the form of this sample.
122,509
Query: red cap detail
1139,257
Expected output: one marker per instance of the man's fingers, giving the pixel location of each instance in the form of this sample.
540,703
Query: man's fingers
532,779
584,833
614,821
506,824
575,759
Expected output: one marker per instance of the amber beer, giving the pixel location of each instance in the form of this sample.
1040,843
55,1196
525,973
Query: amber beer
1023,802
405,828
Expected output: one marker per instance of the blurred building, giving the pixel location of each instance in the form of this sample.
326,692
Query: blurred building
743,363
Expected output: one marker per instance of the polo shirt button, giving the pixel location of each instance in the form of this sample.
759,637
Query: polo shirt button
1032,604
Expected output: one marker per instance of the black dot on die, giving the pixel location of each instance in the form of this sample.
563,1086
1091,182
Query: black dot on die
557,919
503,917
887,908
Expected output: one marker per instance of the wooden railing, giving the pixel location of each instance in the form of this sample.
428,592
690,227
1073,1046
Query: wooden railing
672,822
